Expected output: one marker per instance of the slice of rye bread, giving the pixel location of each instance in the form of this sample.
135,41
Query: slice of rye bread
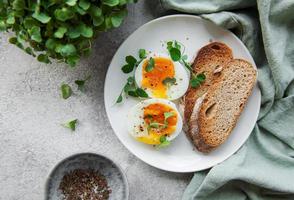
210,58
222,105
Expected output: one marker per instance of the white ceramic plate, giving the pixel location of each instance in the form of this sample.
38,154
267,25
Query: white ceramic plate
194,33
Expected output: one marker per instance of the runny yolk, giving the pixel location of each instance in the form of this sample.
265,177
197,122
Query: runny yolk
154,113
153,80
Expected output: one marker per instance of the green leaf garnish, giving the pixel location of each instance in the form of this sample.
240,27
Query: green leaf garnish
142,53
127,68
150,65
141,93
131,60
201,77
66,91
119,99
168,115
169,81
163,142
71,124
133,93
130,88
174,49
131,80
131,63
157,125
197,80
187,65
184,57
175,54
169,45
81,83
154,125
177,45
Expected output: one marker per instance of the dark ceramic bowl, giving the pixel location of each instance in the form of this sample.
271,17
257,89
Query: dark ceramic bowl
116,178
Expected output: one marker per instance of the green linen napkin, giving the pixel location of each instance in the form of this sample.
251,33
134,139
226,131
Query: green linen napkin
264,167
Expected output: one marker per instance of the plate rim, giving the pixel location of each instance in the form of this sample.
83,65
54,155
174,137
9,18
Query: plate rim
128,38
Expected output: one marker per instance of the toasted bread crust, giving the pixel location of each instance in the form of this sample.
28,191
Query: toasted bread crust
223,104
209,58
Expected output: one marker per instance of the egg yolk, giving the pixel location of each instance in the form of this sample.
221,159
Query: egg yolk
155,114
153,80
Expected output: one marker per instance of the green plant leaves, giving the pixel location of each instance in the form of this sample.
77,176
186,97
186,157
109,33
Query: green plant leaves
2,25
95,11
72,60
64,14
10,19
86,31
35,33
42,17
60,32
66,50
43,58
29,22
84,4
110,2
71,2
80,30
117,18
59,29
18,4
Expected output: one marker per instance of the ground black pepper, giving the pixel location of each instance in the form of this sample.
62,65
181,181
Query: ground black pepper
84,184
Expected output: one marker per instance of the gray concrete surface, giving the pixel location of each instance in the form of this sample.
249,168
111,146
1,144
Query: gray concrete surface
32,141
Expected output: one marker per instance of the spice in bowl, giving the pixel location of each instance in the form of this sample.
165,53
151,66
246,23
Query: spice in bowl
84,184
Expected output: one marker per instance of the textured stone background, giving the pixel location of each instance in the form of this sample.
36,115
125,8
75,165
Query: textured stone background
33,141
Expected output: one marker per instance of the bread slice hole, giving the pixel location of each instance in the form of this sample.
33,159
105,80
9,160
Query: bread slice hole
210,110
216,47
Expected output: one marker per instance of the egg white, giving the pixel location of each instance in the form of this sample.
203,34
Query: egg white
136,118
174,91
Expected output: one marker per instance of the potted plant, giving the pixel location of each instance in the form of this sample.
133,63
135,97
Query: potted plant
59,29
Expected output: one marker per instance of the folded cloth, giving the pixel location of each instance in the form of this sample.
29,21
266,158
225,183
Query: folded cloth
264,167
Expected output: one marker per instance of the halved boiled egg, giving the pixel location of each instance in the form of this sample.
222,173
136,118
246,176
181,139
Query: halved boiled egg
162,78
152,119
